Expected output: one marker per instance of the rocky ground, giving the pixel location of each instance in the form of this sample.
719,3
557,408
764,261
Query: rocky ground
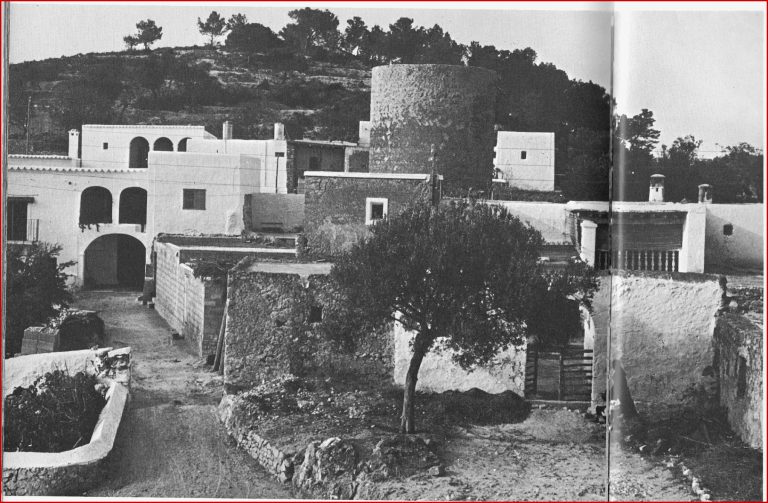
486,448
170,443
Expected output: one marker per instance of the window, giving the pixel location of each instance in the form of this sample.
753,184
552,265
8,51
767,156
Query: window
741,383
523,155
314,163
728,230
18,225
315,314
375,209
194,199
105,146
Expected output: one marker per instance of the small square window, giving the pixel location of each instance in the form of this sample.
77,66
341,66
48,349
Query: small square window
728,230
315,314
105,145
194,199
523,154
375,209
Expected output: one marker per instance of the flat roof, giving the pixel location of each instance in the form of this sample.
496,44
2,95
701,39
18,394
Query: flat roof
302,269
386,176
631,206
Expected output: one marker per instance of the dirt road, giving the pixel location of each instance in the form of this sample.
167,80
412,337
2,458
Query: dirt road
170,443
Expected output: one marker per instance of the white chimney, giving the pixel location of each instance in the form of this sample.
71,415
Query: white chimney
74,144
226,131
656,192
279,131
705,193
364,134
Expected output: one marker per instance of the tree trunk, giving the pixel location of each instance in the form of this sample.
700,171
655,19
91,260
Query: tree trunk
407,423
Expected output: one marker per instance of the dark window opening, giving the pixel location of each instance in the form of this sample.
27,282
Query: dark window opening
314,163
194,199
163,145
95,206
182,145
728,230
741,383
315,314
523,154
139,153
377,211
17,220
133,206
105,146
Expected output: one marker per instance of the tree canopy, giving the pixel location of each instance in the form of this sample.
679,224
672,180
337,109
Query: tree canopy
148,33
213,27
36,289
463,276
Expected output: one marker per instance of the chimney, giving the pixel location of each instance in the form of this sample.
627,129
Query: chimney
364,134
279,131
656,192
705,193
226,131
74,144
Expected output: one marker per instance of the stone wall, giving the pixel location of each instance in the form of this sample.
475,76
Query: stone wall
739,349
268,211
416,106
191,306
356,159
439,373
271,330
661,327
335,207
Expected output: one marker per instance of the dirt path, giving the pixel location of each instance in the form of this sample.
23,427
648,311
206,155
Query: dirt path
170,443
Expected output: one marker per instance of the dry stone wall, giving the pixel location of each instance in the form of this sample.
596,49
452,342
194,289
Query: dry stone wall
270,330
416,106
739,348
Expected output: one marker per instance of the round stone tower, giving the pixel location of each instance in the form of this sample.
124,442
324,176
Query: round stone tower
449,106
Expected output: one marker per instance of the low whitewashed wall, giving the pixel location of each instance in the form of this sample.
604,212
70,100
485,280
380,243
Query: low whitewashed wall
439,373
551,219
69,472
661,327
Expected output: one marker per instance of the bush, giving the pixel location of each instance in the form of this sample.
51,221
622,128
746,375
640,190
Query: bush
56,413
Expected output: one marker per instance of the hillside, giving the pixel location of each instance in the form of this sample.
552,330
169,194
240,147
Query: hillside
193,85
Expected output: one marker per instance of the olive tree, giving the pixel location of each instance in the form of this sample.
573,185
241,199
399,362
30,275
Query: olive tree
463,276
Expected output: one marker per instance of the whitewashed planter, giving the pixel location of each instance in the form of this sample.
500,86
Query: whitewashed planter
73,471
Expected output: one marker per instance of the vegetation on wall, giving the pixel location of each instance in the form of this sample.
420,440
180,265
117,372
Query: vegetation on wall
58,412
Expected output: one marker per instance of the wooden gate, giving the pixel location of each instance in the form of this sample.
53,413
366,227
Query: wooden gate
558,375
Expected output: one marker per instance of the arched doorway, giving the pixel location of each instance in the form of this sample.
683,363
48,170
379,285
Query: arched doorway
182,145
133,206
95,206
114,260
163,145
139,153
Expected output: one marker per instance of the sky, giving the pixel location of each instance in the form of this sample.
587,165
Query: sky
701,73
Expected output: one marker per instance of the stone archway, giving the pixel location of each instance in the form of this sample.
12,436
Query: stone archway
114,260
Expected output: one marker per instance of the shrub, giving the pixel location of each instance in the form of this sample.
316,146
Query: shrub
58,412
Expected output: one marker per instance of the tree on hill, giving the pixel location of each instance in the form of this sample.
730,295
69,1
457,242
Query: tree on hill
213,27
131,42
312,28
36,290
236,21
463,276
252,37
148,33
